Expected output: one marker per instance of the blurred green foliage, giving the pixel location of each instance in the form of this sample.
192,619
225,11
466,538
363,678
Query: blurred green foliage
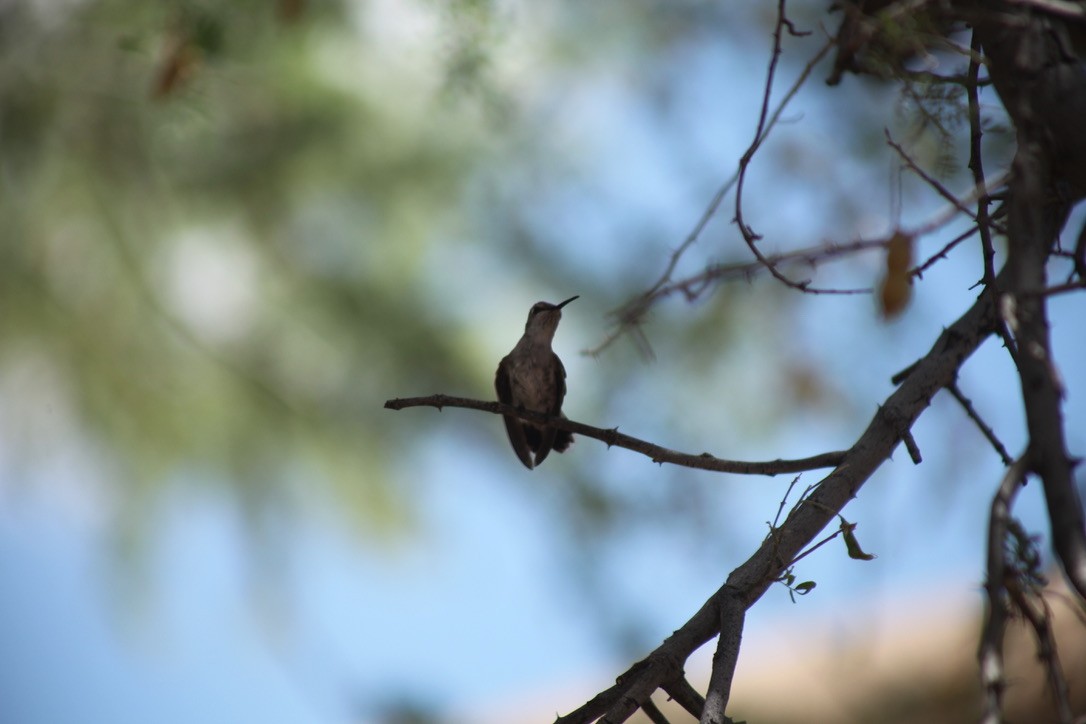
211,213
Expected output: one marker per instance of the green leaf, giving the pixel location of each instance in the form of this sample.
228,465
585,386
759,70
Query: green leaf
853,545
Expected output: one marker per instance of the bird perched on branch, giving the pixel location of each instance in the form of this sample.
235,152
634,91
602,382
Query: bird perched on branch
532,378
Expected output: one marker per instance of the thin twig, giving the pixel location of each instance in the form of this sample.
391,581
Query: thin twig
976,165
976,161
814,547
760,134
784,500
928,178
632,312
942,253
985,430
613,438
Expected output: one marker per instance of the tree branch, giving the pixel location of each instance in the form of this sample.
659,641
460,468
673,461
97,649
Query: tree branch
1044,91
976,161
732,615
613,438
990,651
747,583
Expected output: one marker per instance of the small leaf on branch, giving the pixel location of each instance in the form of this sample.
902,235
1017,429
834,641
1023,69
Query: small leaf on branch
853,545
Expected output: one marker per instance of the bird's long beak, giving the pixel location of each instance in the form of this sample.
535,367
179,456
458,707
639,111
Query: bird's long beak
575,296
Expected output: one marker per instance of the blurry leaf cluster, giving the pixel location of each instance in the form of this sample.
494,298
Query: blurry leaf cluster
211,215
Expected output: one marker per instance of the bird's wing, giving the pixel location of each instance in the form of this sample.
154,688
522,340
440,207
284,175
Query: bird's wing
513,426
549,433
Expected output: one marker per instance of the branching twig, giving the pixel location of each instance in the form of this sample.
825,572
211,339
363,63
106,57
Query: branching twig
613,438
760,133
976,162
632,312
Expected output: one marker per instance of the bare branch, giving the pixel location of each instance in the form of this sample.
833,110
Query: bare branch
749,581
990,651
976,161
1033,230
732,614
613,438
942,253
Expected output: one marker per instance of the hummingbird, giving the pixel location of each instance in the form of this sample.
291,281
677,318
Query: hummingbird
532,377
